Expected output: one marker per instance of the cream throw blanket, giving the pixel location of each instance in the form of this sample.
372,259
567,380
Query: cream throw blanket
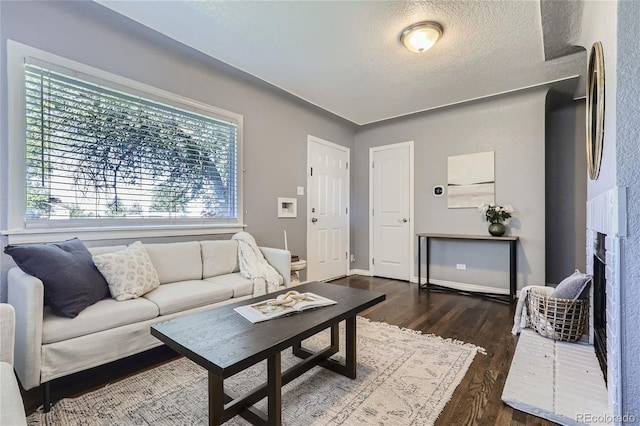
254,266
522,315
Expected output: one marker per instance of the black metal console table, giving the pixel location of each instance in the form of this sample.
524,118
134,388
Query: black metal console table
512,258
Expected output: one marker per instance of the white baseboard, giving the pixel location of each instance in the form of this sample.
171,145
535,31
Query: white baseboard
467,287
364,272
452,284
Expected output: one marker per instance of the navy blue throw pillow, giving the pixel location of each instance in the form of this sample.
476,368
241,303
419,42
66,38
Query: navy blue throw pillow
71,280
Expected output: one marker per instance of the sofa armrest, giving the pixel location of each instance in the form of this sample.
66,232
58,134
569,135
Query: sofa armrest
26,295
7,332
280,260
11,407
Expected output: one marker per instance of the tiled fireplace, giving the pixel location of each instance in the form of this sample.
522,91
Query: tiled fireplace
568,387
606,224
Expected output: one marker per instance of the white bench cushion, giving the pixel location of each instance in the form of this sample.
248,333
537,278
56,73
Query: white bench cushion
103,315
240,285
184,295
176,261
219,257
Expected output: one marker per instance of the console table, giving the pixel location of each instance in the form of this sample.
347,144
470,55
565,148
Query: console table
512,241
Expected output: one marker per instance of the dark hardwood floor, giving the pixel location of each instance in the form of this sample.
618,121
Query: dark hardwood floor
471,319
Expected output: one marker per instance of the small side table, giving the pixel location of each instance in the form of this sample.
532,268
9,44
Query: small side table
296,267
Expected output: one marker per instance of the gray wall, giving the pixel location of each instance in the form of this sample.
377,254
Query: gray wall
628,175
599,24
512,126
566,191
276,125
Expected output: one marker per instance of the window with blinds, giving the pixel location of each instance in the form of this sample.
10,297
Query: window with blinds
93,152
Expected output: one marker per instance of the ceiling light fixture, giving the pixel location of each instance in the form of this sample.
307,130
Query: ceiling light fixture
422,36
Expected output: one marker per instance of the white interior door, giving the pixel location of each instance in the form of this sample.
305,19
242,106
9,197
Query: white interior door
391,192
327,210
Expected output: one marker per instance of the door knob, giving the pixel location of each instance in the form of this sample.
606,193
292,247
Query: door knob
314,220
404,220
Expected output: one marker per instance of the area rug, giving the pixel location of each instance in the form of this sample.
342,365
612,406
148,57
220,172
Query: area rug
403,378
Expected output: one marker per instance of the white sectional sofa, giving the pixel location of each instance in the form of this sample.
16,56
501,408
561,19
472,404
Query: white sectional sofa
194,276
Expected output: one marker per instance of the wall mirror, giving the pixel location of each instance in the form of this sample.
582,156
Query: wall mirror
595,110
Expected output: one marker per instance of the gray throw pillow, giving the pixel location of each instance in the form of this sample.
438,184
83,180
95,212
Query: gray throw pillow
71,280
572,287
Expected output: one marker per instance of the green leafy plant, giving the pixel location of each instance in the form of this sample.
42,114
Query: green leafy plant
496,214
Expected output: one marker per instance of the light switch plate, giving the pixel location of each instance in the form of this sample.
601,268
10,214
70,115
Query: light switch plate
301,190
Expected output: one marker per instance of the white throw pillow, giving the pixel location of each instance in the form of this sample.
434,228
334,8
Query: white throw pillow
129,272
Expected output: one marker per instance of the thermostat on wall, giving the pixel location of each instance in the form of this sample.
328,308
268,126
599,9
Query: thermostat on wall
438,190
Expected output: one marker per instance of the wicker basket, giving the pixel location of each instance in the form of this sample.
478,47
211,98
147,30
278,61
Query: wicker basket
558,319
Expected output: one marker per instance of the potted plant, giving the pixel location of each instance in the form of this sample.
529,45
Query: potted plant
496,216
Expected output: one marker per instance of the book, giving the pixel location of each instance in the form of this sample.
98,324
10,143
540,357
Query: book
285,304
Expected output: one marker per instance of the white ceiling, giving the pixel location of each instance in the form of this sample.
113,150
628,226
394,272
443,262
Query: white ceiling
346,56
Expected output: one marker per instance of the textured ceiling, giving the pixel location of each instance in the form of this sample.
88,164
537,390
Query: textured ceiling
346,57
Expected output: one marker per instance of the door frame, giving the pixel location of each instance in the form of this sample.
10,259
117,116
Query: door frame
312,139
372,150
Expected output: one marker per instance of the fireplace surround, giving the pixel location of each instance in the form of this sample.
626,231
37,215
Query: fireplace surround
606,225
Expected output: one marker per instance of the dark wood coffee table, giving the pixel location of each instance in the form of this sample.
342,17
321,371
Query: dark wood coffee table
225,343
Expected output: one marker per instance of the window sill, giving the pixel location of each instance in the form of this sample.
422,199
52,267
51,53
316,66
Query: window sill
40,235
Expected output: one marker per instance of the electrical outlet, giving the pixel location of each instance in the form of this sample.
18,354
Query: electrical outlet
301,190
461,266
353,257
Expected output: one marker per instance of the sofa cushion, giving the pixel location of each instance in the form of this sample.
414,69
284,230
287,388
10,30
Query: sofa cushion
184,295
219,257
103,315
129,272
71,280
176,261
240,285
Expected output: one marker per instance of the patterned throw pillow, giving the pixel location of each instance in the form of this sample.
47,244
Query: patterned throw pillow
129,272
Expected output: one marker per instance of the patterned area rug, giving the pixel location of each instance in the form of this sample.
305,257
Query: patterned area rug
404,378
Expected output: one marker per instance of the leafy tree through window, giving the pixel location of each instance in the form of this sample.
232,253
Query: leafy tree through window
96,152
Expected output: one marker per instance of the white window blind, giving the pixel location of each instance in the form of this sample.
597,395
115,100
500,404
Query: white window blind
93,152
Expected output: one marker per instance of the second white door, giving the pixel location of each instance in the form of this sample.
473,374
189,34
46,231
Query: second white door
391,210
327,210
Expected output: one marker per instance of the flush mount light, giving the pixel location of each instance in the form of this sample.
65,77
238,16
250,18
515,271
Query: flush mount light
422,36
